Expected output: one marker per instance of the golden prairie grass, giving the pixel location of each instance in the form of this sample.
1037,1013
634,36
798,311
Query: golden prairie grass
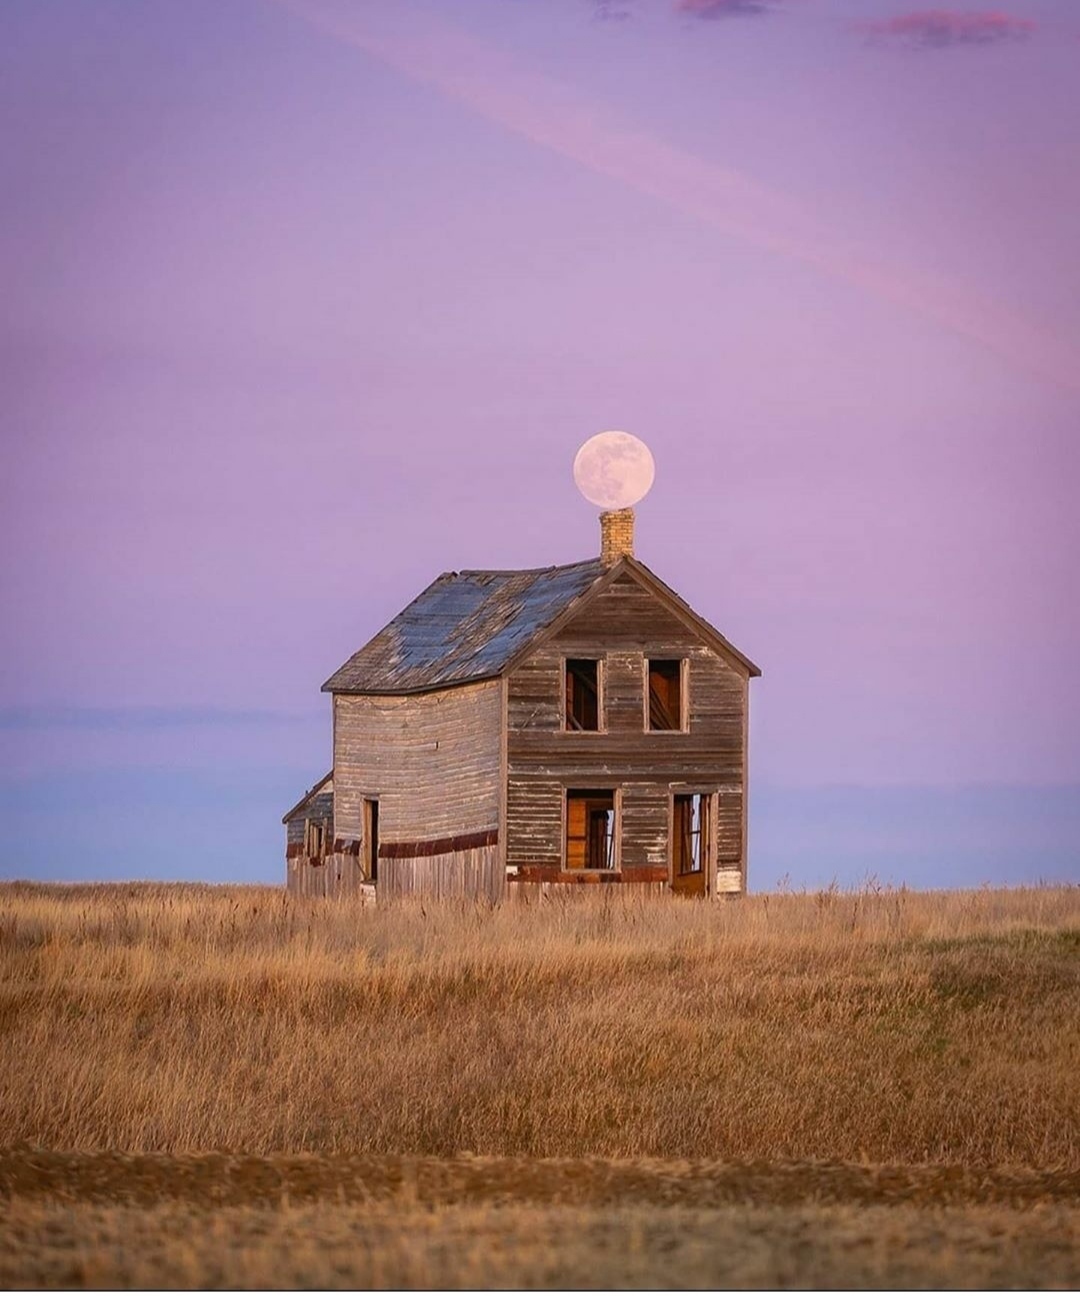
884,1027
320,1246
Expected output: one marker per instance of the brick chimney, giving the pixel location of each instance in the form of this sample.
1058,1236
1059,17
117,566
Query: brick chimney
616,535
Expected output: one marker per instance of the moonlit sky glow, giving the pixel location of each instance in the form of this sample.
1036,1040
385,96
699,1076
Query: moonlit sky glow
306,301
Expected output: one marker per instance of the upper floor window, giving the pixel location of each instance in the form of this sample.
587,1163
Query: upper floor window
666,694
582,694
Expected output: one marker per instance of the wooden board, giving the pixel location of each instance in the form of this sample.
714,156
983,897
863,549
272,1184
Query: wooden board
339,875
472,875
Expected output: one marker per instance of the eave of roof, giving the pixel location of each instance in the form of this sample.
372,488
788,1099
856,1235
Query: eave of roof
311,792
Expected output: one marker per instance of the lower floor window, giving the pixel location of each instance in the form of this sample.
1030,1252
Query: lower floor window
690,832
590,829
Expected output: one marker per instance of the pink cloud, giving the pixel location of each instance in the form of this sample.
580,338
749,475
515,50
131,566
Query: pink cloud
551,115
721,8
610,11
942,28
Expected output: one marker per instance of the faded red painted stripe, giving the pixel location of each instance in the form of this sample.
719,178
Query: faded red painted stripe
438,846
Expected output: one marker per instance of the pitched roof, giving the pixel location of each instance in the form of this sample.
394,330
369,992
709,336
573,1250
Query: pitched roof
464,626
310,795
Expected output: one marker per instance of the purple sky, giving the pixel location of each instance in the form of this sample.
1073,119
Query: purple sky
305,302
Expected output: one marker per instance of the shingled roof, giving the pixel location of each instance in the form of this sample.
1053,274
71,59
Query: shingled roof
464,626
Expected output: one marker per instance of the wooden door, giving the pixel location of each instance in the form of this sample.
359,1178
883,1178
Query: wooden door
690,844
371,839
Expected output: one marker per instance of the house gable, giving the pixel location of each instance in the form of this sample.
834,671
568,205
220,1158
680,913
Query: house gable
623,621
644,614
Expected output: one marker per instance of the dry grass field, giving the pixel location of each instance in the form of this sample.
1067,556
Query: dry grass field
832,1089
521,1245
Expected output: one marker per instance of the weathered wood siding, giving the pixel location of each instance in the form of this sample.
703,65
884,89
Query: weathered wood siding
624,625
334,876
319,808
306,870
473,875
433,761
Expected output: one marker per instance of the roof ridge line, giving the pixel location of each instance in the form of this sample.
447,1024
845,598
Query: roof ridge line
521,571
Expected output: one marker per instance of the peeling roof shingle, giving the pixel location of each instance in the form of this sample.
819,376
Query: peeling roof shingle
464,626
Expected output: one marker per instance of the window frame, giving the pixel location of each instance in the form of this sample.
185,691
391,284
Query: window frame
684,692
369,836
315,838
601,700
709,801
615,792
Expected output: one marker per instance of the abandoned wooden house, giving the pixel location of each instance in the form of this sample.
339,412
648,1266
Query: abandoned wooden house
516,732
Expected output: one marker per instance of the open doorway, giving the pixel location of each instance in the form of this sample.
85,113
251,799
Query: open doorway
690,834
371,839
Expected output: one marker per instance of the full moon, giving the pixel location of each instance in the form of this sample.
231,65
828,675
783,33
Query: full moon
614,470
